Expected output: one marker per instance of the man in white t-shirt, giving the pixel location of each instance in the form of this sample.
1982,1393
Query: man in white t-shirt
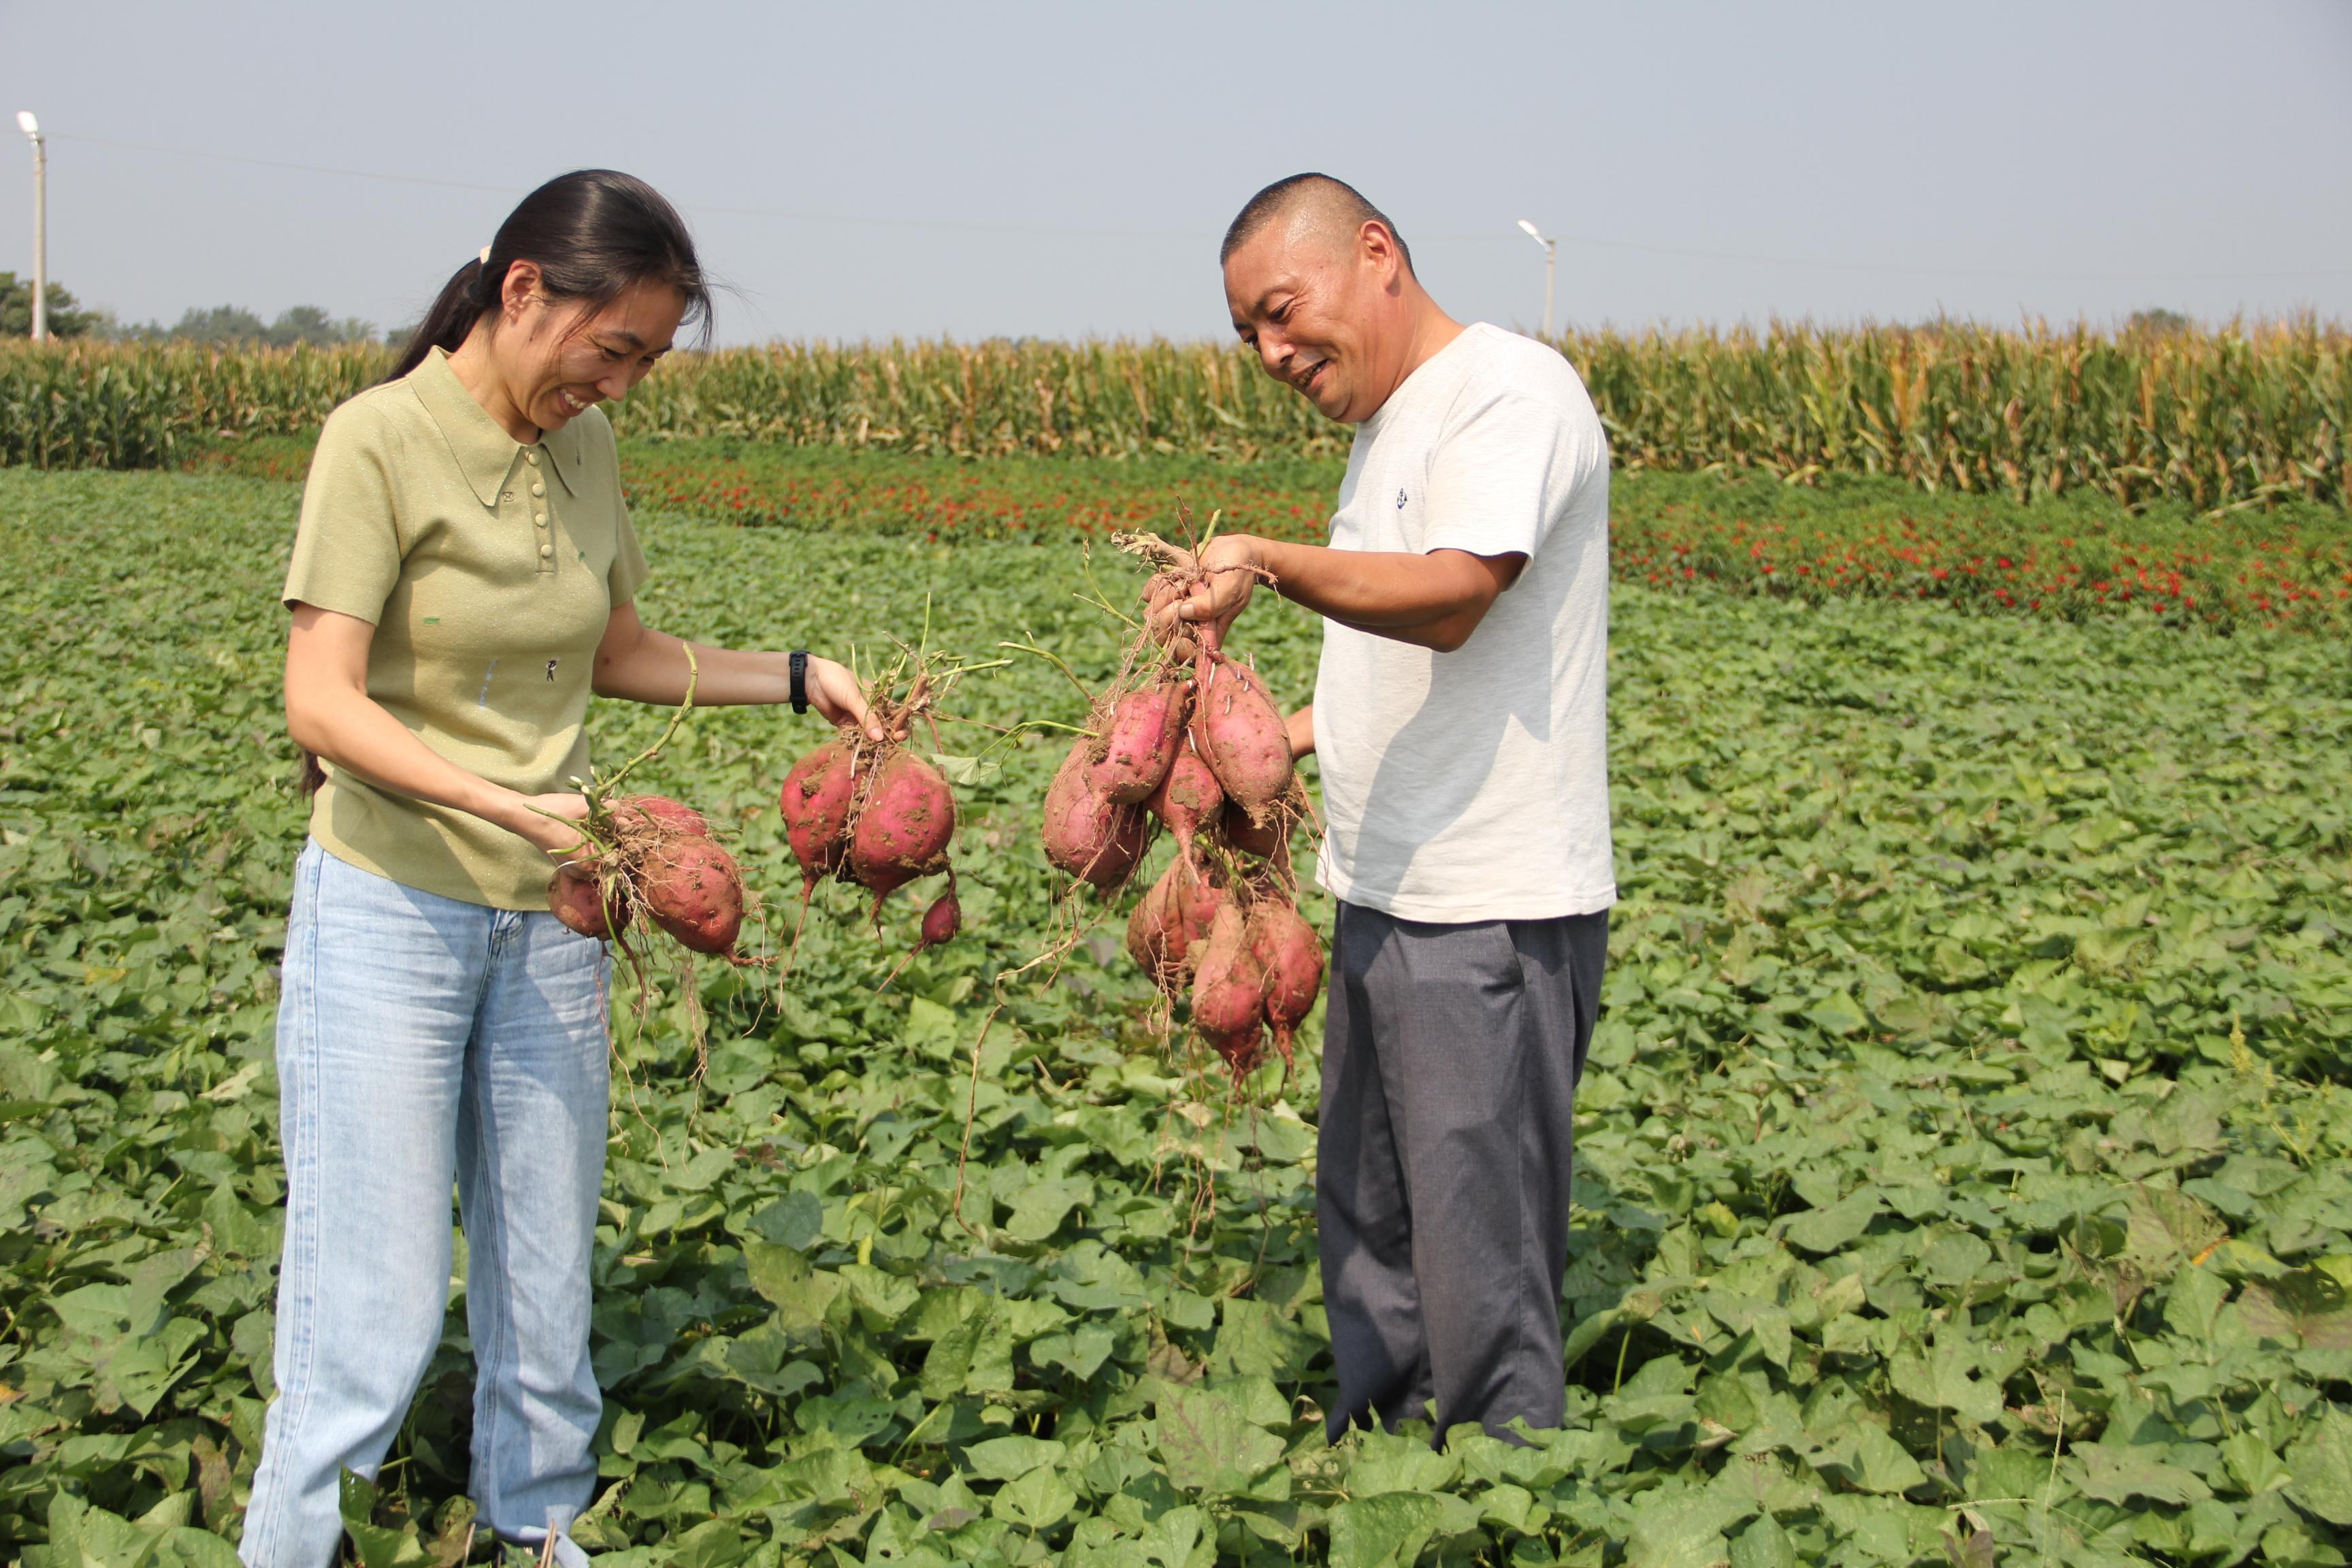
1459,714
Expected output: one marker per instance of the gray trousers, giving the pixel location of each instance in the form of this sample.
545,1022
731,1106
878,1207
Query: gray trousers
1451,1055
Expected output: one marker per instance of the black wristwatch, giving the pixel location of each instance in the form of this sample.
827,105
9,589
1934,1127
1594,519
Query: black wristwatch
800,679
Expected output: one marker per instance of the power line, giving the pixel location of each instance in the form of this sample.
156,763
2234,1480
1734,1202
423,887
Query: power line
720,207
950,225
1828,263
280,164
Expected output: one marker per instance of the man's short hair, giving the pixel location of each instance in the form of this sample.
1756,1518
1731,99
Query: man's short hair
1342,199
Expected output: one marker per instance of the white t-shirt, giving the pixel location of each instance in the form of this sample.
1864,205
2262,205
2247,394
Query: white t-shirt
1474,786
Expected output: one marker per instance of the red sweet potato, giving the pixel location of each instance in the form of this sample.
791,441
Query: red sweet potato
1088,834
942,920
1229,994
1187,798
1146,934
815,802
1290,961
1193,899
660,814
1172,921
904,826
1141,739
1261,839
1239,733
1130,835
572,897
693,890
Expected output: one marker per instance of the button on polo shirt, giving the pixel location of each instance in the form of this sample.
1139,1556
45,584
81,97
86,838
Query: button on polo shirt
488,588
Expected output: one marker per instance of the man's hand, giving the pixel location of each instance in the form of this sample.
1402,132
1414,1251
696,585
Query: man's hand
1433,601
1299,731
1233,563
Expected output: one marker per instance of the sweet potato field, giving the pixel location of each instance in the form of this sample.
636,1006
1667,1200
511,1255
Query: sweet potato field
1962,1166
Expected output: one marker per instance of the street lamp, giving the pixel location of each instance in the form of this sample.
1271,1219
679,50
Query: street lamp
1551,251
32,128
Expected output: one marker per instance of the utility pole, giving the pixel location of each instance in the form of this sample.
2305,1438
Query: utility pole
32,128
1551,252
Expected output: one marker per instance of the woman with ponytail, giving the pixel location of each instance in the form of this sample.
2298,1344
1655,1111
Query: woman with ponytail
464,577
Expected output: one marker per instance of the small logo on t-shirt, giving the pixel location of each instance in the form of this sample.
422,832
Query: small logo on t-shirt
551,668
1400,501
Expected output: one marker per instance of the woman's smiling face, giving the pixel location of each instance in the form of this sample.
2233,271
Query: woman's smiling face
557,357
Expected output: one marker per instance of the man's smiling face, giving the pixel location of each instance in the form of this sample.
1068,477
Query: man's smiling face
1313,303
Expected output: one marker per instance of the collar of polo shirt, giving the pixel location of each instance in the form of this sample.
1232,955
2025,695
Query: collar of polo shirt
484,450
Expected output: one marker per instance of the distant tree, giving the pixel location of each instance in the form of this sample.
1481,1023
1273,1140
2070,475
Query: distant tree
233,326
311,324
222,326
114,328
17,311
2157,323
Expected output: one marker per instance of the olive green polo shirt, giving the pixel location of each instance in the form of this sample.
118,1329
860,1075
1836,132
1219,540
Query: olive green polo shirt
489,571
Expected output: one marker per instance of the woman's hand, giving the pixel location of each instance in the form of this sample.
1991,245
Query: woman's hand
550,821
835,692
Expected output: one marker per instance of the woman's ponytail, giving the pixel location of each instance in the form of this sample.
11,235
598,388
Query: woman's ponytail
594,234
455,310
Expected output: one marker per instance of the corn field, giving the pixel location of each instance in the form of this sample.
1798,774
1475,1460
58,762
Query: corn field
2240,416
99,405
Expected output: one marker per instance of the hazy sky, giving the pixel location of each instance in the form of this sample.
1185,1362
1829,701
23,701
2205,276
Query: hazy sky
865,169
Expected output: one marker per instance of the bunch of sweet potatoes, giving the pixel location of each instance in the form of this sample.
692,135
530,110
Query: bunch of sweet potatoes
877,816
651,857
1197,746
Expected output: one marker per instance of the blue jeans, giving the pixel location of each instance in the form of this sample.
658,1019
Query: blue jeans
423,1041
